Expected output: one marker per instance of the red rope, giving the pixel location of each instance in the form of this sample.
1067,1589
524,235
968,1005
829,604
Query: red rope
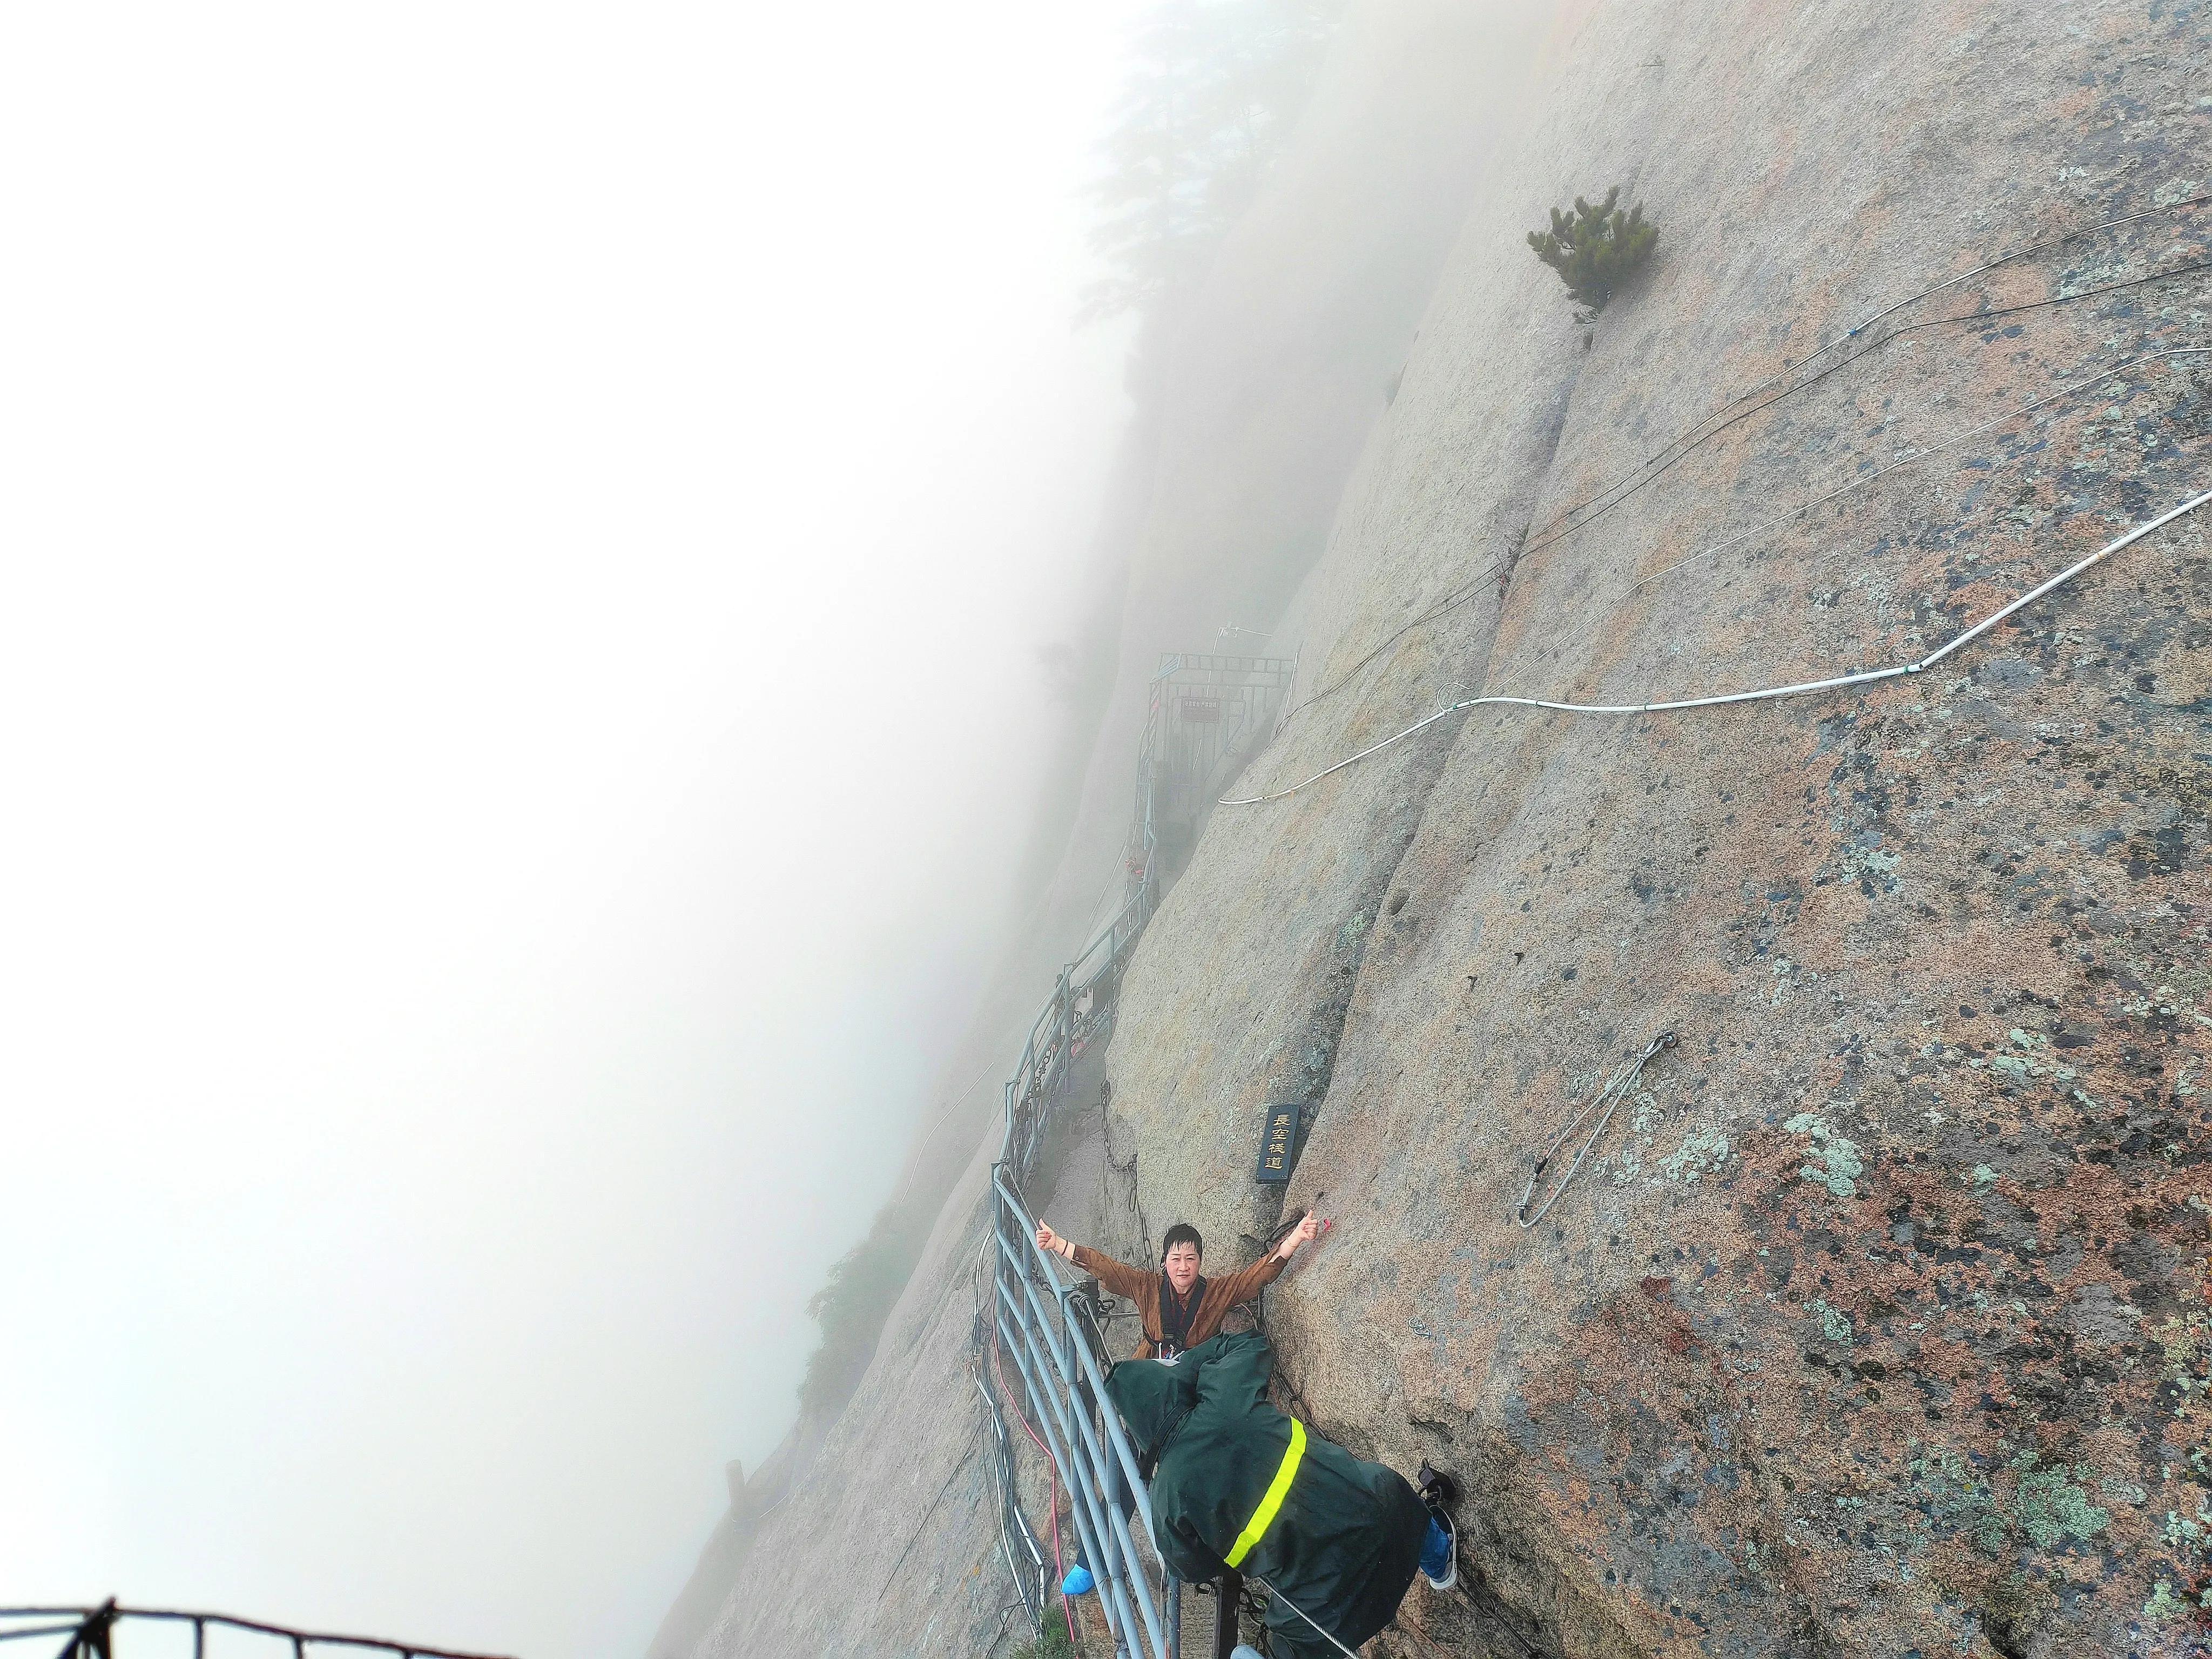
1052,1474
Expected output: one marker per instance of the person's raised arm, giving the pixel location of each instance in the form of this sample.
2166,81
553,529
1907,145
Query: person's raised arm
1243,1286
1118,1277
1305,1232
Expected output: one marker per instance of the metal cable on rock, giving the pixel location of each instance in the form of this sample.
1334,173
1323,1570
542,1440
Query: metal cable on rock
1763,692
1543,541
998,1488
1928,453
1308,1618
1454,598
1696,437
1609,1098
1329,1635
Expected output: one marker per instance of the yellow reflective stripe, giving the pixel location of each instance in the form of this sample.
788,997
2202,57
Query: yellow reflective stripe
1256,1528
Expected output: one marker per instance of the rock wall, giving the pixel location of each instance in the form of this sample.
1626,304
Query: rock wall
1875,1324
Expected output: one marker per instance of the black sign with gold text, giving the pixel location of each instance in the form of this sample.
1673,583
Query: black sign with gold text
1278,1142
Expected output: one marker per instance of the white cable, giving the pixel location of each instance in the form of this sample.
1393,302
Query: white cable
1763,693
1303,1614
1460,595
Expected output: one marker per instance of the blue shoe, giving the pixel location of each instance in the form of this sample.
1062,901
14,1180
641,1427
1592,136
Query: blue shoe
1440,1549
1078,1581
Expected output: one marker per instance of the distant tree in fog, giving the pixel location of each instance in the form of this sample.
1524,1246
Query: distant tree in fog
1216,85
851,1309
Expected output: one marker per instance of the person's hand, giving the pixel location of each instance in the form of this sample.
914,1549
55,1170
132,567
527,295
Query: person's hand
1304,1233
1050,1242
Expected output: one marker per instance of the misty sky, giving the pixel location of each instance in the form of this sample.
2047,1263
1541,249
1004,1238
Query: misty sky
525,534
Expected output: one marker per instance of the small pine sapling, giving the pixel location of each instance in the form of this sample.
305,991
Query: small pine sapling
1595,249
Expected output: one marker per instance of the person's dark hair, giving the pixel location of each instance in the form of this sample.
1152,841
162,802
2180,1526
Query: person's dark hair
1182,1233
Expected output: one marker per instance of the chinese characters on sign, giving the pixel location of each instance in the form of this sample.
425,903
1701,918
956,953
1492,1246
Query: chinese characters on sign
1278,1142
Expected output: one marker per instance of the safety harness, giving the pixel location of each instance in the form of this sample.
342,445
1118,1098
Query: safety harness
1176,1314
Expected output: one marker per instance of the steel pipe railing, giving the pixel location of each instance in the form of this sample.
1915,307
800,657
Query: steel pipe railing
1062,1372
1040,1352
1085,1501
91,1632
1095,1374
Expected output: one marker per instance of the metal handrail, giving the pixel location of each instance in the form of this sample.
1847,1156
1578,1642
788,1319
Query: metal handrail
1078,1373
1093,1374
90,1632
1063,1376
1052,1419
1044,1350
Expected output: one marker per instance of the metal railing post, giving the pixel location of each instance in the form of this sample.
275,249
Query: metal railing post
1099,1469
91,1632
1228,1598
91,1640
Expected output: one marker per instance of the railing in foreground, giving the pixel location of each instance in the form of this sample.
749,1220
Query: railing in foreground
1038,1326
1045,1329
90,1632
1047,1335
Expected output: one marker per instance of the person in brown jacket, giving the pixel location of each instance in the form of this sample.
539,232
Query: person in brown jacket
1180,1306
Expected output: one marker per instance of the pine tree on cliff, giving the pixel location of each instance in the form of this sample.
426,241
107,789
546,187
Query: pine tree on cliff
1595,249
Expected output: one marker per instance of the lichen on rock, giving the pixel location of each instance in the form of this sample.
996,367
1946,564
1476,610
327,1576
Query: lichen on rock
1840,1165
1903,1344
2052,1506
1835,1324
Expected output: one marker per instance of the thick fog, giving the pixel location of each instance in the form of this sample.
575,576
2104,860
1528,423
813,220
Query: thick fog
526,540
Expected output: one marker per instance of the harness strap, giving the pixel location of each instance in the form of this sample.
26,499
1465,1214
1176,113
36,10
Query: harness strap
1263,1518
1181,1310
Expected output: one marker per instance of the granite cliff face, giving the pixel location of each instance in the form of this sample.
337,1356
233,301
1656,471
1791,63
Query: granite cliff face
1875,1323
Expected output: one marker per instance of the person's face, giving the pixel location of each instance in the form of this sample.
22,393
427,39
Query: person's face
1181,1267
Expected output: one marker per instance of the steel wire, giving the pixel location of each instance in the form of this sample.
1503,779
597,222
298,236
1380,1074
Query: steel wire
1762,694
1694,438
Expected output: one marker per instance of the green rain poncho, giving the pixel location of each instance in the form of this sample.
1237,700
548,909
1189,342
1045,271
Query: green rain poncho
1343,1540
